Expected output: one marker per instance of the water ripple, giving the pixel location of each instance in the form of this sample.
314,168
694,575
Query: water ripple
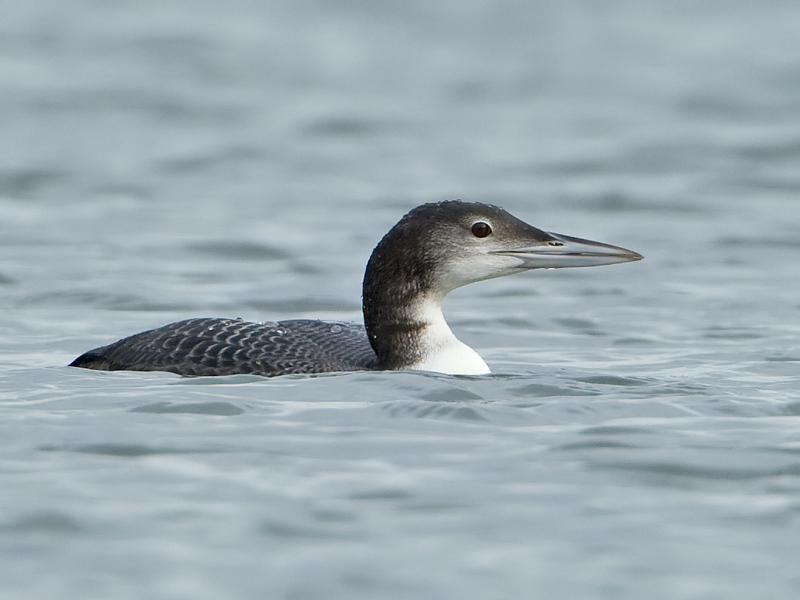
220,409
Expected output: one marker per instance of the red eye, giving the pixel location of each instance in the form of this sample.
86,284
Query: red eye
481,229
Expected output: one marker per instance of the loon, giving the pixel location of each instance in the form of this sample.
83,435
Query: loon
431,251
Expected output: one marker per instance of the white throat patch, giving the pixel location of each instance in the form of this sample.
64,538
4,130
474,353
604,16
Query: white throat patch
442,351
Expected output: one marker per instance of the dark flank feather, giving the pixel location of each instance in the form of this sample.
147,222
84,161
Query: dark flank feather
224,346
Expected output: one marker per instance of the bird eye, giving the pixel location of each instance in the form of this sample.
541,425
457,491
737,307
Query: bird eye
481,229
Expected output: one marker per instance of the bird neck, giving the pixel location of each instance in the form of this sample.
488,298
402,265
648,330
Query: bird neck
405,324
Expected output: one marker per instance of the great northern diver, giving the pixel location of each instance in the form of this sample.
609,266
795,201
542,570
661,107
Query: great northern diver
431,251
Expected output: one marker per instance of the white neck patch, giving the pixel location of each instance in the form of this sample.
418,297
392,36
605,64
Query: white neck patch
442,351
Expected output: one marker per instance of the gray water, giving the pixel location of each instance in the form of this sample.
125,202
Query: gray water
640,435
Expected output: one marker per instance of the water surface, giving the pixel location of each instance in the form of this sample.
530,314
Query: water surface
639,437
